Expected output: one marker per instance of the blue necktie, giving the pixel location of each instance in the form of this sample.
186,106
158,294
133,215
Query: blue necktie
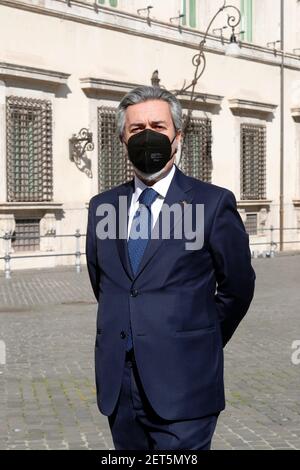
141,224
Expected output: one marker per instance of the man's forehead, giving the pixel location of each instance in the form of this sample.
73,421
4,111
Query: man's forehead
155,110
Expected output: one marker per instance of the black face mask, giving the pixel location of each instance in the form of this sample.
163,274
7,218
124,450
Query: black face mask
149,151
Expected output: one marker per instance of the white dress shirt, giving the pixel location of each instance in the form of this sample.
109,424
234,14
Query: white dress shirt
161,187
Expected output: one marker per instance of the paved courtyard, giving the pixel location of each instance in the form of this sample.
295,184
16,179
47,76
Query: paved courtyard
47,390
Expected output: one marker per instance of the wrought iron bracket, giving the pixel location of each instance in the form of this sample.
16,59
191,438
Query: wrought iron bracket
78,145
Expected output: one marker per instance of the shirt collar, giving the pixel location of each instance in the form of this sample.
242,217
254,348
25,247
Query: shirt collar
161,186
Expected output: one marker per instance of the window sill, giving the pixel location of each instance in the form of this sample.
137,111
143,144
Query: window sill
9,206
254,203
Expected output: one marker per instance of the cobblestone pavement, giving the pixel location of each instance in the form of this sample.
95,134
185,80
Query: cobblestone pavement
47,390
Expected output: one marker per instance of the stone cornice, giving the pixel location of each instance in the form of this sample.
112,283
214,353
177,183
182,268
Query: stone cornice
295,112
111,88
129,23
100,86
206,100
16,71
242,106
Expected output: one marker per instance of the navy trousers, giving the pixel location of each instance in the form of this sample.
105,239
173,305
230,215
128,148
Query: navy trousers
134,424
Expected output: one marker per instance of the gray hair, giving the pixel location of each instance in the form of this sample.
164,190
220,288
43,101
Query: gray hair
141,94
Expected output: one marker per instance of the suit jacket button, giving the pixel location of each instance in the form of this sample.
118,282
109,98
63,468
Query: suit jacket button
123,334
134,292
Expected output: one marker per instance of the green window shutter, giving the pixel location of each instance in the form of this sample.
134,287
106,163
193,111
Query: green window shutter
112,3
249,20
242,8
184,12
193,13
247,15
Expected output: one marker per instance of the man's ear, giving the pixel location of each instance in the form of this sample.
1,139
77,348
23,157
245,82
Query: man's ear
122,140
178,152
179,138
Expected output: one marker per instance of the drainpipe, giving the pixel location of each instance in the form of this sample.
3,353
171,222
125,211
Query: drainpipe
281,197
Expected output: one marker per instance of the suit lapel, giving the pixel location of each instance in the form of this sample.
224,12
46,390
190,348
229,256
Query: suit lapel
126,192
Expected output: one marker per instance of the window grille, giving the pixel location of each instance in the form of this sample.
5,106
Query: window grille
26,235
251,224
29,149
253,161
196,157
114,167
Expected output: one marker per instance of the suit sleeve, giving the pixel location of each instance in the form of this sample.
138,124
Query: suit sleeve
229,244
91,251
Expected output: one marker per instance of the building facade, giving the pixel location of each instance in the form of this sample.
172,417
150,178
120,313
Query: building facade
65,65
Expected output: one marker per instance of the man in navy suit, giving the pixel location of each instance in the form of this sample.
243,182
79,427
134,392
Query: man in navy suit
166,307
